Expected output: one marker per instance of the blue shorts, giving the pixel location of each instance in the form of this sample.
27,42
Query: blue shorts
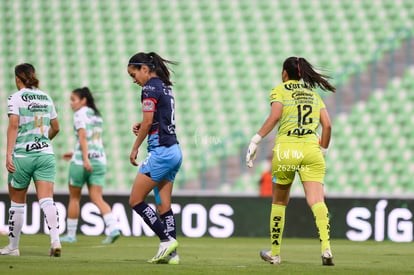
162,163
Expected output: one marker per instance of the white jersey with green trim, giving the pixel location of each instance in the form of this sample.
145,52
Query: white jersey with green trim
85,118
35,109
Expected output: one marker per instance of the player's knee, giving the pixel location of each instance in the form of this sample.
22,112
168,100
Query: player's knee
134,201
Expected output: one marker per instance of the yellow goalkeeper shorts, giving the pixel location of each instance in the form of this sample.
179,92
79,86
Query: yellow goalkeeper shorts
304,158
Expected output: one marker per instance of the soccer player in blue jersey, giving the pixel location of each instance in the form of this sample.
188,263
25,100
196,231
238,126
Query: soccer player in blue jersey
158,170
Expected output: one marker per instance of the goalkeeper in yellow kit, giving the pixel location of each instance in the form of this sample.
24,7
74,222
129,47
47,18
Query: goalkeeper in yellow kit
299,110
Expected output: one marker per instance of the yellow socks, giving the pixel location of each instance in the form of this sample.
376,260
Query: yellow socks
277,223
320,212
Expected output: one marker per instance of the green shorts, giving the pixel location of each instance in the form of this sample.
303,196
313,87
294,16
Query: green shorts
78,176
39,168
304,158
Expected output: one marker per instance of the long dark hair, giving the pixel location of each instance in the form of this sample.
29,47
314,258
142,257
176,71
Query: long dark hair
27,74
155,63
299,67
90,101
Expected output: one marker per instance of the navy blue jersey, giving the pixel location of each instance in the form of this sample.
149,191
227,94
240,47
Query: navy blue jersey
157,97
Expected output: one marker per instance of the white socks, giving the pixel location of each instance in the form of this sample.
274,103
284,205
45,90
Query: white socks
110,221
16,218
51,217
71,226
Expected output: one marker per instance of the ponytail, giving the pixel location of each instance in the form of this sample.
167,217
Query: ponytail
27,74
155,63
90,101
299,67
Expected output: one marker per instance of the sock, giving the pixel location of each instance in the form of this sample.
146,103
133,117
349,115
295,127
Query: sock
51,217
169,222
71,226
277,223
16,218
320,212
152,220
110,221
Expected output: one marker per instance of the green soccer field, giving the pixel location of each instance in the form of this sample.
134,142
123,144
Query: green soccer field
206,256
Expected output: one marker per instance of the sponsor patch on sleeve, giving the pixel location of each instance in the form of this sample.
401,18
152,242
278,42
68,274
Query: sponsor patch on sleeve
12,106
148,105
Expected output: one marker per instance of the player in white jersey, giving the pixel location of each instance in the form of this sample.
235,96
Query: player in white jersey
87,164
32,125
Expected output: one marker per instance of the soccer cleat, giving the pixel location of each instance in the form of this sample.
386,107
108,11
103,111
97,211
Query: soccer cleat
266,256
173,259
111,238
327,258
55,249
6,251
164,250
68,239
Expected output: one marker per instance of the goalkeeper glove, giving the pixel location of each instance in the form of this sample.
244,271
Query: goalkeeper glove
251,151
324,150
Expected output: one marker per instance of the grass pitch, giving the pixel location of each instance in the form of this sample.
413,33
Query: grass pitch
206,256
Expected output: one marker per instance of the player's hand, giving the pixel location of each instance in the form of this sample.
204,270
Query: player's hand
251,151
67,156
133,157
135,128
324,150
87,165
10,165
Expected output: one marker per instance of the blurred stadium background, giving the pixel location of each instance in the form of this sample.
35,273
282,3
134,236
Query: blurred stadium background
230,55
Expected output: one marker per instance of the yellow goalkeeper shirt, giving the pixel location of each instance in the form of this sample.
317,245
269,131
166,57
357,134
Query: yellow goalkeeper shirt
301,112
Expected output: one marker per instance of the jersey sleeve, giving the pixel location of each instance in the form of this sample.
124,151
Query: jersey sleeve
149,98
323,106
53,113
13,105
79,120
149,105
276,95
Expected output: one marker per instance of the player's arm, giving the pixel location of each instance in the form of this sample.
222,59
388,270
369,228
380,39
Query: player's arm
267,127
83,142
54,128
143,131
54,123
12,130
326,128
135,128
272,119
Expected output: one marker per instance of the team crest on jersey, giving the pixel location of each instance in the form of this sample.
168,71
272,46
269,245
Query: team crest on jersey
148,105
